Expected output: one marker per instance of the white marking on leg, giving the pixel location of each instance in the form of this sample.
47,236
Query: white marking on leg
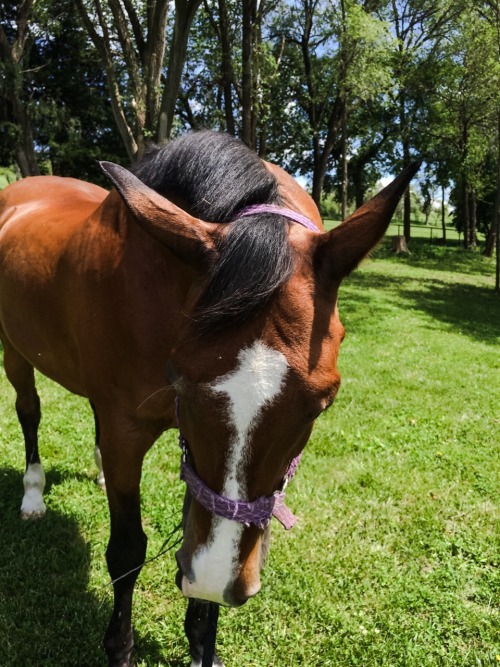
33,506
255,382
101,482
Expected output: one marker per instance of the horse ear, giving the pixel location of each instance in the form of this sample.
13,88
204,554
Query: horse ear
342,249
191,239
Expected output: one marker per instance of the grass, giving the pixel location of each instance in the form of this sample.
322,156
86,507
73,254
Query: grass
395,559
419,230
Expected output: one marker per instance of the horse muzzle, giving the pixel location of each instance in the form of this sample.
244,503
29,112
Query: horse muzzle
203,580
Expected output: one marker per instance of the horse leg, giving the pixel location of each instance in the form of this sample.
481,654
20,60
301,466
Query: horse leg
195,627
122,460
20,374
101,482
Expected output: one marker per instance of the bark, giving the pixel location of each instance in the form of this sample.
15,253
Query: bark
322,155
495,225
248,19
316,110
472,219
227,74
185,11
407,197
103,46
11,54
465,211
490,242
399,245
358,163
443,214
142,49
345,174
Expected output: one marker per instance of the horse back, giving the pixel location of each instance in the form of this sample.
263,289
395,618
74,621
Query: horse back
50,194
72,296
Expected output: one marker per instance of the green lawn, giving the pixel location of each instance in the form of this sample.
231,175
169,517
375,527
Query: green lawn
395,558
419,230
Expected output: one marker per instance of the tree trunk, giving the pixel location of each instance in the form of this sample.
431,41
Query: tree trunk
443,214
491,240
226,68
472,219
465,212
12,54
318,176
345,174
407,197
184,14
406,162
25,151
399,245
494,236
248,19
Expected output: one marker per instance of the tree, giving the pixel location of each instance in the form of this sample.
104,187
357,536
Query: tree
419,28
490,10
73,121
184,14
335,53
14,49
464,115
131,39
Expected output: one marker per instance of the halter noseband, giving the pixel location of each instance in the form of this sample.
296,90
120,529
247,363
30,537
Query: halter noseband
256,512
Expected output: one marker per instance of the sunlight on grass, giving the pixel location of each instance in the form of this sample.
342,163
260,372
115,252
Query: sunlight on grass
395,558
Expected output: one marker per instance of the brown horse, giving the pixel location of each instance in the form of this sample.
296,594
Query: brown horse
195,267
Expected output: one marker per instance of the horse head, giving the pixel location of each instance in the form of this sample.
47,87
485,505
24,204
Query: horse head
250,391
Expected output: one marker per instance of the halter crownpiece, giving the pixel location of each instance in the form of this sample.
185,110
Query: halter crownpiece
278,210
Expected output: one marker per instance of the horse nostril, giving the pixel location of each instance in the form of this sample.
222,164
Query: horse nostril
234,601
240,593
178,579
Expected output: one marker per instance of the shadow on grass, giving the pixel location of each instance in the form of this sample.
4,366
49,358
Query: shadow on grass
47,615
471,310
435,256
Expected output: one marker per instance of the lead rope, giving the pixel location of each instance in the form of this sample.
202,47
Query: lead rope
210,635
165,547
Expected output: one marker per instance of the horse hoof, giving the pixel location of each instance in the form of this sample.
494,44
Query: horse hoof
216,663
32,509
33,515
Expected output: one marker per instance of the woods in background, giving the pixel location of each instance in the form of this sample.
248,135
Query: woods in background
340,92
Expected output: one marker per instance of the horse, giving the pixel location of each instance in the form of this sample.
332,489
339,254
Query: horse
200,293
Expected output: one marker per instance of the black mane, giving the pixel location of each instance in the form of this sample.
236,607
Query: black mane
213,176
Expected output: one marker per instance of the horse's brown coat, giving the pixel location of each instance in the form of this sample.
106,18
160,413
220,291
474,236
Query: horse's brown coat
96,291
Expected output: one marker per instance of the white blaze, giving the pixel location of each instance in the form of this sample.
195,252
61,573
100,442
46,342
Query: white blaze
255,382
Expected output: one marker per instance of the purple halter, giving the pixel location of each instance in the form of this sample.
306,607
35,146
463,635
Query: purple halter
257,512
278,210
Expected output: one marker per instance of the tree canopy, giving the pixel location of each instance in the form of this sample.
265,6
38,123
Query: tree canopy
340,92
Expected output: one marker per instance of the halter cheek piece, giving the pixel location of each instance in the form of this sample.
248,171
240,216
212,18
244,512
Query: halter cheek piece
257,512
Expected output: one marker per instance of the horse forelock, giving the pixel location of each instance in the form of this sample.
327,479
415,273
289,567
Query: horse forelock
213,176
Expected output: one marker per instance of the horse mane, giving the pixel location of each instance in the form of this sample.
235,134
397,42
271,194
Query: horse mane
213,176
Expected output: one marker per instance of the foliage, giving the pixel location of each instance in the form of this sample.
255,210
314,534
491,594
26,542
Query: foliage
7,176
340,92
